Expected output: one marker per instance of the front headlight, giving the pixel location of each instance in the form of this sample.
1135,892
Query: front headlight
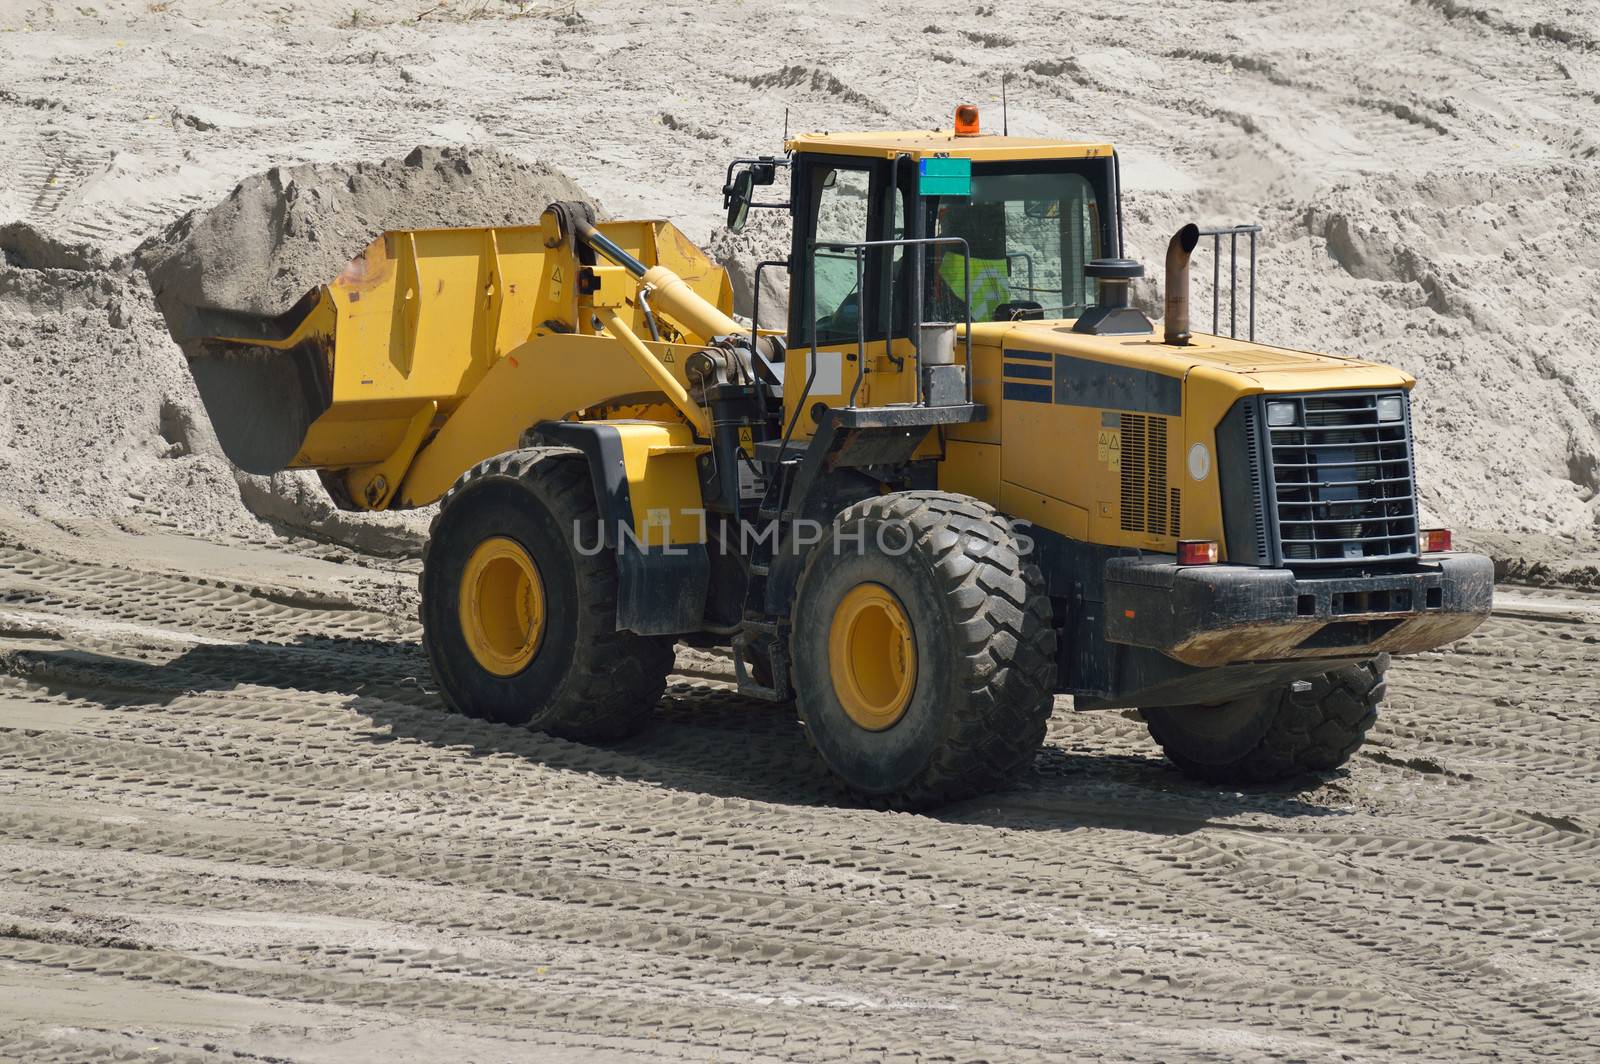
1391,408
1280,415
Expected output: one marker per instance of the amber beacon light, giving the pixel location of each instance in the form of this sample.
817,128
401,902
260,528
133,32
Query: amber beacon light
966,120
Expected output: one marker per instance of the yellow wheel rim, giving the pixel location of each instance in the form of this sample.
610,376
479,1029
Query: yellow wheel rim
872,656
502,606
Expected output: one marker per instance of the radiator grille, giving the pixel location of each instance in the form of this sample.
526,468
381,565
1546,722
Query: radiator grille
1257,485
1148,505
1341,482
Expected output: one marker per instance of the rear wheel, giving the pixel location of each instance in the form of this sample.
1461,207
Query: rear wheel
1302,728
520,625
924,657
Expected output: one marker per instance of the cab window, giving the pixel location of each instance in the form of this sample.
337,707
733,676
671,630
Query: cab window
843,215
1029,235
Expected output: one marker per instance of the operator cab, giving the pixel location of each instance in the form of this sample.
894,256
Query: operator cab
1034,214
901,241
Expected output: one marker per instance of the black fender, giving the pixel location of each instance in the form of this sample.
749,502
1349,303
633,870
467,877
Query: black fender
661,590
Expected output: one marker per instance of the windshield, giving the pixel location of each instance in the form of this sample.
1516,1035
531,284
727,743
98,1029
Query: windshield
1030,231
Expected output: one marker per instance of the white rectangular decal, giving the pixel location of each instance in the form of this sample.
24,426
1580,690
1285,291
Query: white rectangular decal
830,373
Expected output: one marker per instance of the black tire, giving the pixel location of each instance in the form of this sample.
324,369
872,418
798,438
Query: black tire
1303,728
985,649
587,681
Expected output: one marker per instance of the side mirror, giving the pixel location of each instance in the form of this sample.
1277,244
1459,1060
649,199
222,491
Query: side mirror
832,180
739,195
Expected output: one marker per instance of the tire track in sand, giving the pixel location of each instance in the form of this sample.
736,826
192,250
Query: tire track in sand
310,774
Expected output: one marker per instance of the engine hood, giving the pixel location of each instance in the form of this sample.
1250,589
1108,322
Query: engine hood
1266,367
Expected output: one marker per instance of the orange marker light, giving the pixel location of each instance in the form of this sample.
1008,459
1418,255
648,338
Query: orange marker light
1197,552
1435,540
966,120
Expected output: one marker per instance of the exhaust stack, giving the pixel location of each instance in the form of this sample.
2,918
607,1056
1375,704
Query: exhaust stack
1176,318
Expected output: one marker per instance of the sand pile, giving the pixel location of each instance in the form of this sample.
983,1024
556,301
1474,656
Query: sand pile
765,238
1487,288
1429,203
238,269
99,408
100,420
98,415
281,233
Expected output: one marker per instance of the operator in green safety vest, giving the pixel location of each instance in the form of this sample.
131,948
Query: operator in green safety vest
983,226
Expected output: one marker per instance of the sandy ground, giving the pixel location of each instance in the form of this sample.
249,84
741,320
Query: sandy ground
235,822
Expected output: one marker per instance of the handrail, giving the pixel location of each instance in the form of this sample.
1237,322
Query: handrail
859,250
755,297
1233,233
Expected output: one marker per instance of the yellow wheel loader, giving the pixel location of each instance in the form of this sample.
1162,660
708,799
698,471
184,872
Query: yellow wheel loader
969,475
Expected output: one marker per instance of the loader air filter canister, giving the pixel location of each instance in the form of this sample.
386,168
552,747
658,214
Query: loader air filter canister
1111,315
937,344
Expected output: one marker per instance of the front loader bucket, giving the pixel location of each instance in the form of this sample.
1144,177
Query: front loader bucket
359,373
264,389
408,328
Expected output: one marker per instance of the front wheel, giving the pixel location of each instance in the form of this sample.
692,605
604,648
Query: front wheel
923,651
1302,728
520,623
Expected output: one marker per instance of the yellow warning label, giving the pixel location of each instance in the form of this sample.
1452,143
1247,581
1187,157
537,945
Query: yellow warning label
1108,448
747,441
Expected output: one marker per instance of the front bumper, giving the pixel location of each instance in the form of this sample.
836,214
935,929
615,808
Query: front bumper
1214,615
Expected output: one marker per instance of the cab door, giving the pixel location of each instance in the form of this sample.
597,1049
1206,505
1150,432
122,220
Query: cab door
843,299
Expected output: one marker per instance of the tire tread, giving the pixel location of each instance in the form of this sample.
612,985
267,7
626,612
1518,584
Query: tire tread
1316,726
1004,632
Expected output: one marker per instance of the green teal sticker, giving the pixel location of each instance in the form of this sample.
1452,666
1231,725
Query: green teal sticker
945,177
